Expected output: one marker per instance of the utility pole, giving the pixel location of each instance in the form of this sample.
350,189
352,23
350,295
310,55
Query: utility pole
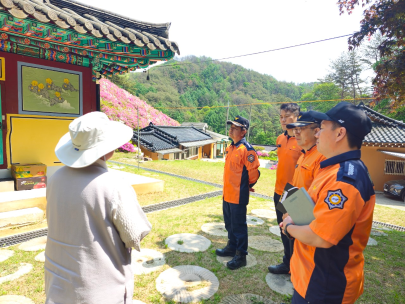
227,116
139,155
250,118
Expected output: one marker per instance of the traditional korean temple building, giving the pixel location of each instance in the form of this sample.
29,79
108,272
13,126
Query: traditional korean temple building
383,149
52,53
170,143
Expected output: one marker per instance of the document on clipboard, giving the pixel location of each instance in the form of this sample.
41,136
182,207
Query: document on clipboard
300,207
288,190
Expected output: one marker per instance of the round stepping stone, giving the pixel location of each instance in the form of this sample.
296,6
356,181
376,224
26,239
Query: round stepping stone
187,242
377,233
254,221
217,229
250,260
40,257
265,243
246,298
371,242
23,269
275,230
5,254
280,283
187,284
146,261
376,226
265,213
34,244
137,302
15,300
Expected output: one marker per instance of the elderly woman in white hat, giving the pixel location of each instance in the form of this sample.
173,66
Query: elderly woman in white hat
93,219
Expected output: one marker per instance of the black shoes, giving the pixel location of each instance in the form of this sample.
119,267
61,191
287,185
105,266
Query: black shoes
279,269
238,261
227,251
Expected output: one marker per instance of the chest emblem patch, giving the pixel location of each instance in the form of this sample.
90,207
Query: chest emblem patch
251,158
335,199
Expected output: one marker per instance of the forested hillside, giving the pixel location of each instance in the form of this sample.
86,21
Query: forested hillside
211,85
202,88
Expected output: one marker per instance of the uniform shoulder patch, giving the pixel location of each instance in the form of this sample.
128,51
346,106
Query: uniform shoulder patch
335,199
251,158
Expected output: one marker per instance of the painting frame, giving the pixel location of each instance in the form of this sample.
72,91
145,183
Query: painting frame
26,103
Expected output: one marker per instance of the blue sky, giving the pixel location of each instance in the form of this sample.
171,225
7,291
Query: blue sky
225,28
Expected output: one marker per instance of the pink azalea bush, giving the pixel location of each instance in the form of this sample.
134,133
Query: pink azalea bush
274,167
262,153
119,105
128,147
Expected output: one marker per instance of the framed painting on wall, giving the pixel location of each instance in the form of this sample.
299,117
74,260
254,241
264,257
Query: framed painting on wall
44,90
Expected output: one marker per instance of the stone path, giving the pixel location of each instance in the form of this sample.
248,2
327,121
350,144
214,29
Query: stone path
253,221
147,261
265,213
187,284
377,233
246,298
280,283
5,254
23,269
40,257
275,230
265,243
372,242
15,300
187,242
34,244
250,260
217,229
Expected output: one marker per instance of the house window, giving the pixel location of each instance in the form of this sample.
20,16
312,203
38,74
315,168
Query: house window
394,167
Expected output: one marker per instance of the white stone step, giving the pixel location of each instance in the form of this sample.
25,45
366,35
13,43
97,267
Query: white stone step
21,216
6,185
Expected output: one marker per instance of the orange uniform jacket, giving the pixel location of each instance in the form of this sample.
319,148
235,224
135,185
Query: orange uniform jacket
288,153
241,172
344,203
307,167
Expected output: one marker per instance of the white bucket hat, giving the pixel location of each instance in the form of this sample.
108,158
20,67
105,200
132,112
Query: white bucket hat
90,137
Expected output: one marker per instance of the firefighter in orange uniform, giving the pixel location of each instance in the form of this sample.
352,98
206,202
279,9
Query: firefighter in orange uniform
327,264
240,175
310,160
288,153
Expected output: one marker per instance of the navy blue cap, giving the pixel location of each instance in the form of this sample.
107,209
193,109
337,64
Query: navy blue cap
353,118
303,120
239,121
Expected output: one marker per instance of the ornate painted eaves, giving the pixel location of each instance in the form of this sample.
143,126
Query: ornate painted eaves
70,32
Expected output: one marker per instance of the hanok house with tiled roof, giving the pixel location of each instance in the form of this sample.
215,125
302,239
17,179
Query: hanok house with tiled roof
52,53
170,143
221,141
383,149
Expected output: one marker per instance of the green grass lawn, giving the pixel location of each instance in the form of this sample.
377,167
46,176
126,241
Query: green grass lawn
212,172
174,188
207,171
384,267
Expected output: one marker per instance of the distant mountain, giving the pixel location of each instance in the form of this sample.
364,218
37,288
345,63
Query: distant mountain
200,82
119,105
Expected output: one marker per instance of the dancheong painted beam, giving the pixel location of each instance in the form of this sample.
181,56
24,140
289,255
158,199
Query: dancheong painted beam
70,32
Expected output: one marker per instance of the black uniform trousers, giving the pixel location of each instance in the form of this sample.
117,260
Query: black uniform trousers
235,224
286,241
297,299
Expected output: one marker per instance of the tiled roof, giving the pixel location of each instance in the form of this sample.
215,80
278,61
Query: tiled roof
385,130
385,134
155,141
69,14
184,134
157,138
